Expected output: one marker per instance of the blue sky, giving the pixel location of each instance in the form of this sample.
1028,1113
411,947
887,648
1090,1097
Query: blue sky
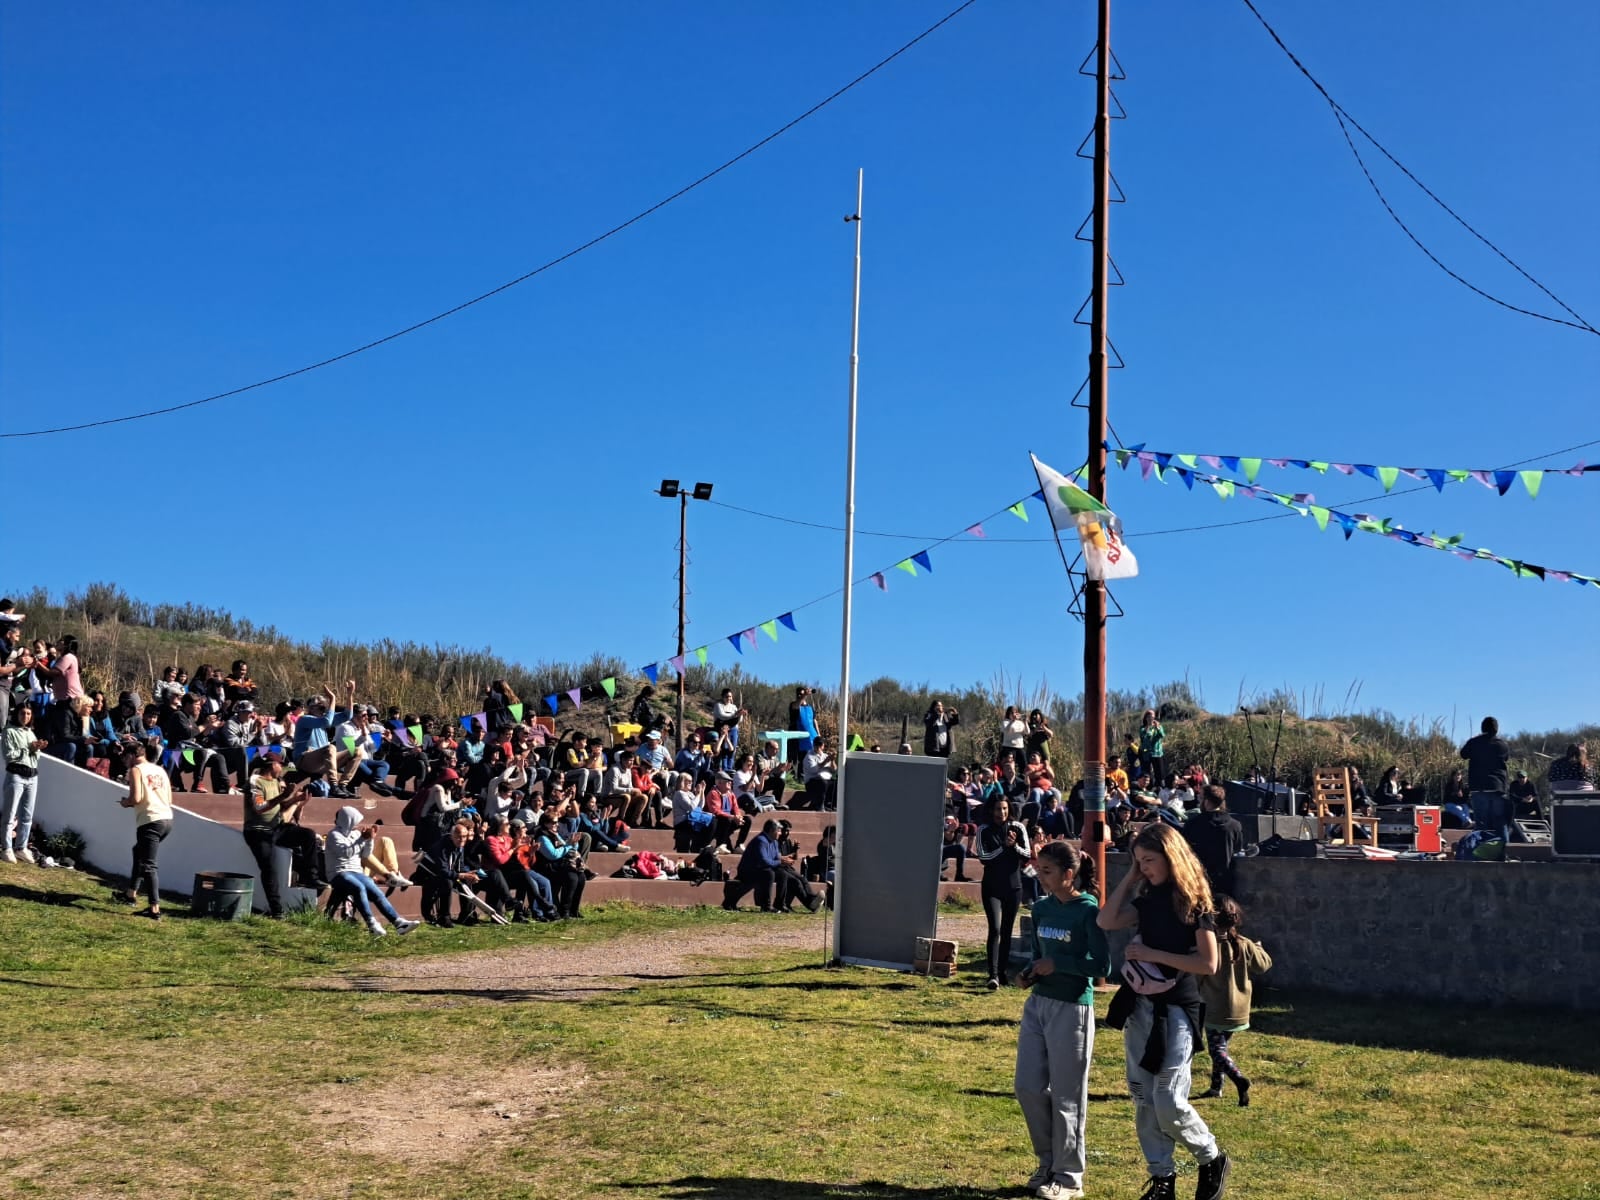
197,196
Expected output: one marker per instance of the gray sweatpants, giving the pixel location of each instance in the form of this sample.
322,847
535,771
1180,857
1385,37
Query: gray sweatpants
1162,1113
1054,1047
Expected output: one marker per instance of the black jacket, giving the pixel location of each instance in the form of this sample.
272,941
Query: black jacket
1486,763
1215,838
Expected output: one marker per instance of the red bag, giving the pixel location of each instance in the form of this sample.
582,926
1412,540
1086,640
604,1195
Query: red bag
100,766
648,864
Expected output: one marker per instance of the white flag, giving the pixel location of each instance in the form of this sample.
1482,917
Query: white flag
1073,510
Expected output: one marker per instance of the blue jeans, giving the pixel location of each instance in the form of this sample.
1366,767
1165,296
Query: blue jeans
373,770
20,795
1162,1114
539,886
1491,812
361,889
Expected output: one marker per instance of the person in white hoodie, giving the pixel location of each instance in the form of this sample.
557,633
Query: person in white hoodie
347,849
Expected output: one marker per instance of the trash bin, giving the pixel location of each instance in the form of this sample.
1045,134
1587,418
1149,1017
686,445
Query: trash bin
222,895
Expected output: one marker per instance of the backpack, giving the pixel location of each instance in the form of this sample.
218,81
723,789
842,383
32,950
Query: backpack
412,812
1478,846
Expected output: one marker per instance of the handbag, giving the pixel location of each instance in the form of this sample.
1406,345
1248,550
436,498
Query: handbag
699,818
1146,978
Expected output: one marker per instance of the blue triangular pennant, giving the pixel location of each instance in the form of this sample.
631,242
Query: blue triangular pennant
787,619
554,702
1367,469
1165,460
1186,476
736,640
1503,480
921,559
1231,461
651,671
1436,477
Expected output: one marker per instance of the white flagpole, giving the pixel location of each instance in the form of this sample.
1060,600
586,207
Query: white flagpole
849,566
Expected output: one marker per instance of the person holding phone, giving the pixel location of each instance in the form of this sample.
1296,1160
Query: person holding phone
1003,851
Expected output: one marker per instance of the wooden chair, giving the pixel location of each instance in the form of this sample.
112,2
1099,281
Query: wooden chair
1330,789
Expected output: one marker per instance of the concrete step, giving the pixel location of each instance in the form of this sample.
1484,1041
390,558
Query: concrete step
667,892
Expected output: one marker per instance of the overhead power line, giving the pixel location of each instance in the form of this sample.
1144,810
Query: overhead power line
523,278
1346,123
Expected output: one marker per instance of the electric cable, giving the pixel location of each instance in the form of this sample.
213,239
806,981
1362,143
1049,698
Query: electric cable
511,283
1342,116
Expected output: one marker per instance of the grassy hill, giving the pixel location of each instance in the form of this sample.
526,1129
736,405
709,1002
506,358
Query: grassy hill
125,643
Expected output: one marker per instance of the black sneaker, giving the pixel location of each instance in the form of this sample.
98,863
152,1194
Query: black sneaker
1160,1187
1213,1181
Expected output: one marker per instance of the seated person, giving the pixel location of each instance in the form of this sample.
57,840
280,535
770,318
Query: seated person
693,828
953,848
1524,795
559,861
1054,819
758,872
729,826
347,849
816,770
443,869
532,887
772,768
792,883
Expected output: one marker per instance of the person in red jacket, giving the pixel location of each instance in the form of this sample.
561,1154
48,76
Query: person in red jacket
729,826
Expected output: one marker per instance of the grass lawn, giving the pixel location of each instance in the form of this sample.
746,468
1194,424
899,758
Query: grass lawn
194,1059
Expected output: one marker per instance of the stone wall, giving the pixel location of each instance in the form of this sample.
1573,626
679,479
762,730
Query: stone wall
1477,932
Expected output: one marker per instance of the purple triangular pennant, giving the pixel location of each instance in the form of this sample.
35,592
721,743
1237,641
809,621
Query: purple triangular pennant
576,695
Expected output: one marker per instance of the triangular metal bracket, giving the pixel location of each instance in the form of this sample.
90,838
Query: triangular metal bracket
1118,195
1077,318
1087,138
1116,271
1081,387
1118,113
1116,364
1087,222
1117,72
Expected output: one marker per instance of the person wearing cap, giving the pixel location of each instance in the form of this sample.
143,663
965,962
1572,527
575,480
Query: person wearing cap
792,884
758,871
314,751
237,733
729,826
1525,799
654,755
441,804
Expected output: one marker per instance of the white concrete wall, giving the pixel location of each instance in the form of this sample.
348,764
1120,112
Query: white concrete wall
72,797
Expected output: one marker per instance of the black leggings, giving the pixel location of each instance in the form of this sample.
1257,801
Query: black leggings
1221,1061
1001,910
146,843
566,884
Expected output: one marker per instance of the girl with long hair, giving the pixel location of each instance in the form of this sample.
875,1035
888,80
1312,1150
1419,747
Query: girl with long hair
1167,897
1056,1041
1003,851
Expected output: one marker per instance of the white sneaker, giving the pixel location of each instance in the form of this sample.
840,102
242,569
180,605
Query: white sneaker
1059,1191
723,849
399,881
377,930
25,855
405,926
1040,1177
8,855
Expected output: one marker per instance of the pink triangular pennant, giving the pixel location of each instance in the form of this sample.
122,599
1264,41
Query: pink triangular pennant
877,578
977,530
1577,470
1482,477
576,695
1280,463
677,663
749,635
1146,465
1211,460
1344,468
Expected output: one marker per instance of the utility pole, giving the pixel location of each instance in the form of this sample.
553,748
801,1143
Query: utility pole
1094,592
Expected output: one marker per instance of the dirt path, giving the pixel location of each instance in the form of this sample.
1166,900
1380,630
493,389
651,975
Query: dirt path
556,970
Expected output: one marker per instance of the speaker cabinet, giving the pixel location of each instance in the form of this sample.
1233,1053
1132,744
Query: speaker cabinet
1575,825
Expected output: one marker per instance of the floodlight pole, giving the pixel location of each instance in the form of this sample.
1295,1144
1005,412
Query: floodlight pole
1094,590
683,599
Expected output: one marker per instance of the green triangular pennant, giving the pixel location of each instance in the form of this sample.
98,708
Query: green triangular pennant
609,687
855,742
906,565
700,655
1387,476
1122,458
416,733
516,711
1321,514
1188,460
1017,510
1321,468
1531,480
770,628
188,757
1251,467
349,743
1223,487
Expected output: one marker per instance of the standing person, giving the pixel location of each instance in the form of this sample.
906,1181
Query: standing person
1152,745
726,716
271,807
1003,850
1216,839
62,672
937,723
803,718
1226,996
1487,756
1014,734
1056,1041
150,797
22,748
1166,895
1039,734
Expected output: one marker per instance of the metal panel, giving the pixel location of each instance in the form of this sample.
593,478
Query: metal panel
891,833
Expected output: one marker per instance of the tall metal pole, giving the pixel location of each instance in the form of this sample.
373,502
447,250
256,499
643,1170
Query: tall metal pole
849,558
1094,606
683,597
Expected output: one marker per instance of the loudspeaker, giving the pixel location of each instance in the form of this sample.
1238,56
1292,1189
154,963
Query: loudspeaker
1247,799
1259,827
1575,825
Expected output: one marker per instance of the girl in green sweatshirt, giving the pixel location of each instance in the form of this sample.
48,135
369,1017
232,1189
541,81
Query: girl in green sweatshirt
1056,1041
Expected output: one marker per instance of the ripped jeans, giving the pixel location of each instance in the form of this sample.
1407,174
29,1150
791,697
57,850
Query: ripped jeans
1162,1114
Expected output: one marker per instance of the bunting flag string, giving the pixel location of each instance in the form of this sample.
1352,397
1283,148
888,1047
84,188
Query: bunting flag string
745,639
1305,504
1501,481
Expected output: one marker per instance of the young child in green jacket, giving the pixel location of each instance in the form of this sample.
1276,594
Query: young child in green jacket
1226,996
1056,1041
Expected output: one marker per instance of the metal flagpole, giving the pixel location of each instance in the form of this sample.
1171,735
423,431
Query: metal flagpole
849,569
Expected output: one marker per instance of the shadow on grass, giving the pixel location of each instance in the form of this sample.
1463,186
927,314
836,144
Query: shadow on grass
15,891
739,1187
1538,1037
